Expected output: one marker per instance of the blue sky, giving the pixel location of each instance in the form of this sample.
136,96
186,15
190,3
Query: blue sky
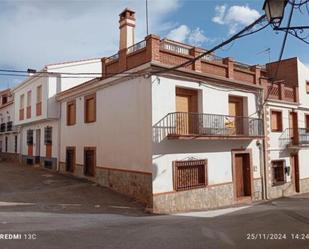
35,33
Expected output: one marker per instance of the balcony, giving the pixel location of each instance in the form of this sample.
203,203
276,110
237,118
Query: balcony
2,127
9,126
182,125
294,138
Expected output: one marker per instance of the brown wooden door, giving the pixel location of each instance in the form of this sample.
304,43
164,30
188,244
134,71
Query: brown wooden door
242,175
295,167
89,162
186,108
70,159
236,110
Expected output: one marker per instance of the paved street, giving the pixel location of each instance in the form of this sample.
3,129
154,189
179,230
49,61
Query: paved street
61,212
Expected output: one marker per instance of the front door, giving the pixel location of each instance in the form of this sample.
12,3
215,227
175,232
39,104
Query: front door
37,145
242,176
295,167
236,109
89,162
186,108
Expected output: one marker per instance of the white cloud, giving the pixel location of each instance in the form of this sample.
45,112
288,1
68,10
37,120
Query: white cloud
184,34
235,16
38,32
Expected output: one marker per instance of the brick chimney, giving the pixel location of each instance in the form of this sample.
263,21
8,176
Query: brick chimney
127,28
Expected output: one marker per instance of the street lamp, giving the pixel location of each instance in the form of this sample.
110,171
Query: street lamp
274,10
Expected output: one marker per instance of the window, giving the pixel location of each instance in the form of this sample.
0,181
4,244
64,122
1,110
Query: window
276,121
30,137
278,172
307,86
15,145
71,113
4,99
29,98
22,101
39,94
90,108
70,159
89,161
6,144
48,135
39,100
190,174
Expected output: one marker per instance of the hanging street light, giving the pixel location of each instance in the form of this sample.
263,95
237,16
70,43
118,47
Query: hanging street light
274,10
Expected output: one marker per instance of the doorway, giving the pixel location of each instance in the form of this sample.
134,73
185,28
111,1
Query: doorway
242,175
89,161
236,110
187,108
37,145
295,167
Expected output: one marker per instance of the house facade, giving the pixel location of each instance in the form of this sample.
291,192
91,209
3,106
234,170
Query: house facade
287,122
37,113
8,133
181,140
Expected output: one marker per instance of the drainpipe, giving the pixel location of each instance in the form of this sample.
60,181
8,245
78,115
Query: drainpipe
59,137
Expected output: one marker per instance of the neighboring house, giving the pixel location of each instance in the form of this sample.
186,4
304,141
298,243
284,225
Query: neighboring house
8,134
186,139
287,119
37,113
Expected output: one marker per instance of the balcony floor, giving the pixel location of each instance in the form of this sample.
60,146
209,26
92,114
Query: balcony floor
211,137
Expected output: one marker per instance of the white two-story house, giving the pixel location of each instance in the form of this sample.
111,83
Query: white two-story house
37,113
190,138
287,129
8,133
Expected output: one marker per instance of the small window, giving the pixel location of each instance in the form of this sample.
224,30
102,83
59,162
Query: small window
39,94
29,98
48,135
22,101
190,174
278,171
90,108
30,137
276,121
307,86
71,113
89,161
4,99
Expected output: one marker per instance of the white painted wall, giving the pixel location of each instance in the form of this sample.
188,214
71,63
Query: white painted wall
55,142
122,131
303,76
213,100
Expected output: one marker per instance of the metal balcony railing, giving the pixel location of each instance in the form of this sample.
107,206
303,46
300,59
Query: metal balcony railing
294,137
210,125
2,127
9,126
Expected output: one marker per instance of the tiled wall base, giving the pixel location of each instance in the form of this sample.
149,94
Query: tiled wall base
203,198
135,184
9,157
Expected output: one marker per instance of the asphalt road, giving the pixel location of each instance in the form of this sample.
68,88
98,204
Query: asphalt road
45,210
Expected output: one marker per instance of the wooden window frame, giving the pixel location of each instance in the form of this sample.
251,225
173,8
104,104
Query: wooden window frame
307,86
278,183
70,122
86,98
95,160
307,121
280,124
179,164
73,148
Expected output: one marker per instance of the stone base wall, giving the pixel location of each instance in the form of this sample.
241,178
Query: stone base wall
134,184
211,197
47,163
9,157
288,189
